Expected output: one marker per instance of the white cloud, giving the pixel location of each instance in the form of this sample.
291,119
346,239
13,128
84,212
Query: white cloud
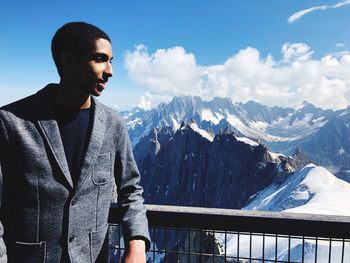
165,70
341,4
340,45
297,15
296,52
244,76
146,101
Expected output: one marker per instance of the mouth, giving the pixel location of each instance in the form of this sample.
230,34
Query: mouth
101,84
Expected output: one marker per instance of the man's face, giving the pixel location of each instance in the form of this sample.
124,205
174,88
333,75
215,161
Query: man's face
91,72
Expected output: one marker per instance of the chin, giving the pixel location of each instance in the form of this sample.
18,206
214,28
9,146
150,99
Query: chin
96,92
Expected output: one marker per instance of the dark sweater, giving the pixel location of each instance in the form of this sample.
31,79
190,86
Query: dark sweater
74,126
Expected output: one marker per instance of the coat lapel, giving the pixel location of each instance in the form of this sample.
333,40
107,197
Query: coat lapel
53,137
51,133
95,142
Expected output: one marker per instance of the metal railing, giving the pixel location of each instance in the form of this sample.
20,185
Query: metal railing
192,234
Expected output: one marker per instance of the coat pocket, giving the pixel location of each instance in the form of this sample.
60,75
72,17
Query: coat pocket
101,173
98,246
29,252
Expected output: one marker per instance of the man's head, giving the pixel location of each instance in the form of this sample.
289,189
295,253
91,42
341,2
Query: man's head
83,55
75,38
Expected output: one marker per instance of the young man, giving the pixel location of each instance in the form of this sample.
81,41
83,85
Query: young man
61,153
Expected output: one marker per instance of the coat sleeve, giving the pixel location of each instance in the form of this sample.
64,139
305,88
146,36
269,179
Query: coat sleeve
130,200
3,134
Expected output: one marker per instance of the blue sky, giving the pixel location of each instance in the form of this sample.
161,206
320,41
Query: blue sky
241,49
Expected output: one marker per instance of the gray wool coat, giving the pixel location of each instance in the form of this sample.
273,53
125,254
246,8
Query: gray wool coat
44,218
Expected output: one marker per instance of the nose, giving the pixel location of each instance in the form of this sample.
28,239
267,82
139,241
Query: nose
109,70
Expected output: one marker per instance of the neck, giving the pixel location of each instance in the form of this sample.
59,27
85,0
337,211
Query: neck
70,97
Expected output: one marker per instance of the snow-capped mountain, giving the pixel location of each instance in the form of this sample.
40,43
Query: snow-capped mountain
330,146
253,120
312,189
281,129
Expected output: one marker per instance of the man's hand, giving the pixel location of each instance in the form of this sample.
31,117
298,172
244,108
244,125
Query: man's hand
136,252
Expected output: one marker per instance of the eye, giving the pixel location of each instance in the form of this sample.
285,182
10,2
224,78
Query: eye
100,58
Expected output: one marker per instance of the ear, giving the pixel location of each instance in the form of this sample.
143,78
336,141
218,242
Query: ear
66,59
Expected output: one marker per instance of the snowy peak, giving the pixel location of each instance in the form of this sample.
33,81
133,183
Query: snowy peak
247,141
309,113
182,107
330,146
280,129
213,117
252,120
218,103
209,135
259,112
194,127
311,189
186,100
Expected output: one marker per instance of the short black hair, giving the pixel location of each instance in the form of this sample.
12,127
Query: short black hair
77,38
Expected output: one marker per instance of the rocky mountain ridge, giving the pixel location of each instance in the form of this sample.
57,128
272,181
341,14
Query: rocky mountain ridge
197,168
280,129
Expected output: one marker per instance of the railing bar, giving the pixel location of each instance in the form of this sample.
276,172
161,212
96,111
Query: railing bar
330,250
154,245
266,260
213,245
177,245
263,252
250,246
303,250
200,245
342,251
288,248
276,249
316,246
225,256
238,237
165,243
189,245
203,254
